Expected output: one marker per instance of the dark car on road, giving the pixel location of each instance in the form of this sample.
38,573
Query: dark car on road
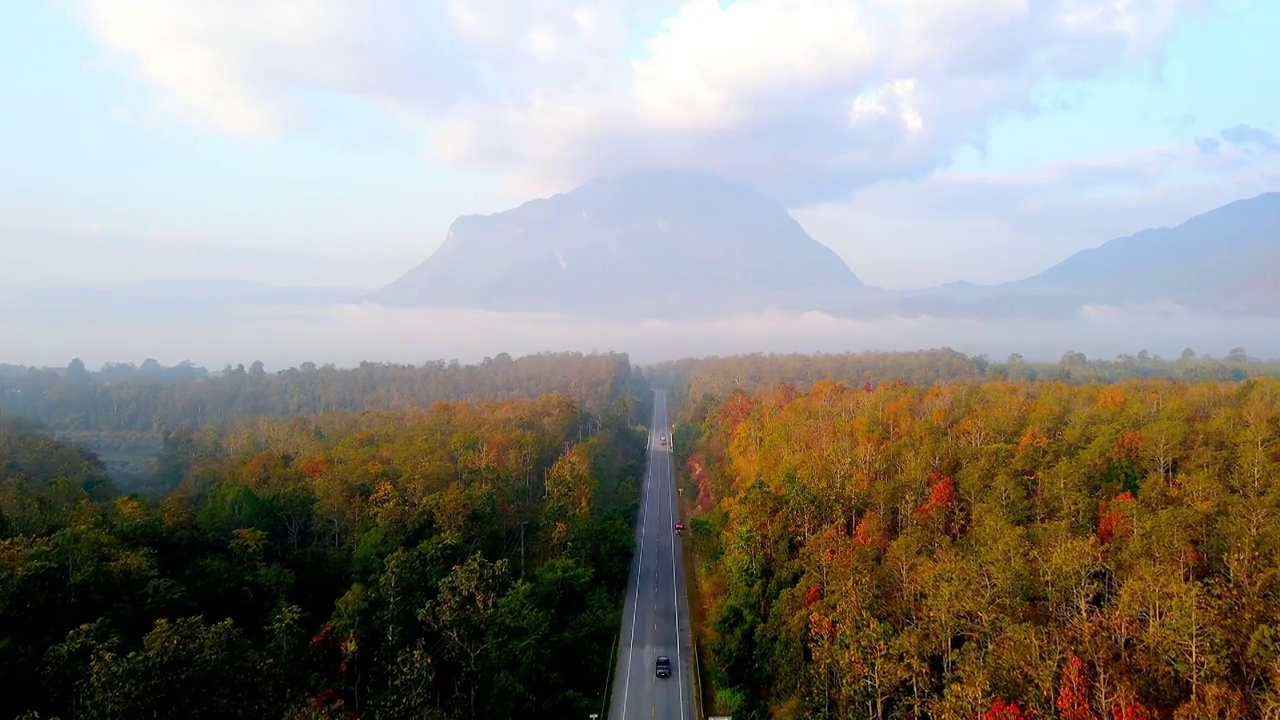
664,666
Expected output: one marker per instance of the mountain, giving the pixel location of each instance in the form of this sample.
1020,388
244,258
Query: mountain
653,242
1226,259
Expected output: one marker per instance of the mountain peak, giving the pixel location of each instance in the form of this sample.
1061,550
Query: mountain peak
654,236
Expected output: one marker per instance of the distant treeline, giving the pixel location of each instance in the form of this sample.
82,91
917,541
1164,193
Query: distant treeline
720,377
150,398
125,398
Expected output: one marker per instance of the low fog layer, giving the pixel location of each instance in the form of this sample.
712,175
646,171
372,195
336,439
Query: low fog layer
347,334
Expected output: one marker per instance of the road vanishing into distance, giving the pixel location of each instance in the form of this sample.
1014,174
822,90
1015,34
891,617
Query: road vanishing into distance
655,616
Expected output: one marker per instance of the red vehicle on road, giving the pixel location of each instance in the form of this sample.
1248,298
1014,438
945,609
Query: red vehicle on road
679,527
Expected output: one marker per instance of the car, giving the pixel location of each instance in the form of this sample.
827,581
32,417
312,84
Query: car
664,666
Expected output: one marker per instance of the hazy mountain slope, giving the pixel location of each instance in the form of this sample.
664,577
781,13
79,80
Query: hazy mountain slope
656,238
692,244
1227,257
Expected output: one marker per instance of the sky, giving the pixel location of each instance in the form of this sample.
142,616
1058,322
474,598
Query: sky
330,142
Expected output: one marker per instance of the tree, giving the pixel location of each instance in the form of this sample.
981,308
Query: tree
76,371
184,669
1073,693
1237,355
1132,710
463,616
1187,354
1001,710
1073,358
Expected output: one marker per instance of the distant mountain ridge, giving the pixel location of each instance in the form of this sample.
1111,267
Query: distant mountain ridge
694,243
1224,260
1228,257
678,245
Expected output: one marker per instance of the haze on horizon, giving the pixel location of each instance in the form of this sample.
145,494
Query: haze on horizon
331,144
349,334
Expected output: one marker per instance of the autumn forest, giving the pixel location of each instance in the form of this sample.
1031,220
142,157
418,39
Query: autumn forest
920,535
419,558
987,548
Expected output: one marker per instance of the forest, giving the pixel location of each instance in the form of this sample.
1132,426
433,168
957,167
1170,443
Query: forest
148,398
995,549
122,411
459,560
925,535
720,376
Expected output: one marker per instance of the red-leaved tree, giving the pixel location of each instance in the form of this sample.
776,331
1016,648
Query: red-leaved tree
1073,693
870,532
1001,710
939,508
1111,522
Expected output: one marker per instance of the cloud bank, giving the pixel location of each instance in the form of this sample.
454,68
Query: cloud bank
806,99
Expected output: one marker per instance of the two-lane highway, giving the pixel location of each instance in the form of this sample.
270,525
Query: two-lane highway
655,618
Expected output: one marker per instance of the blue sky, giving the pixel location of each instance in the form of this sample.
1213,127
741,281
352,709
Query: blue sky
96,161
1211,78
86,148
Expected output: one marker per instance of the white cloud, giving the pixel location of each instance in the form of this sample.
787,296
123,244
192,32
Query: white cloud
806,99
247,66
810,98
899,94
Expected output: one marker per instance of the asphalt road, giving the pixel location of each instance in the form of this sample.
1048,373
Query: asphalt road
655,618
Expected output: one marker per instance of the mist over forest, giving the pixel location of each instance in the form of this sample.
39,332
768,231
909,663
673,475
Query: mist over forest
347,335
